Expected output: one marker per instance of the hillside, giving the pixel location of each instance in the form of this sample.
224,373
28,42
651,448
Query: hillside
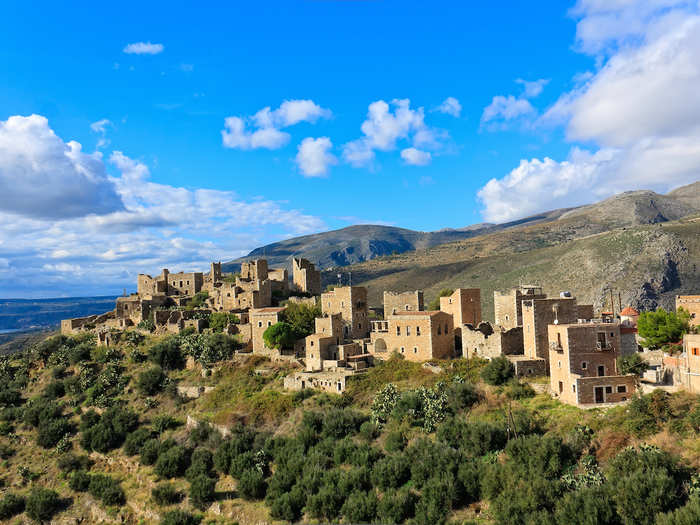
357,244
648,265
96,435
365,242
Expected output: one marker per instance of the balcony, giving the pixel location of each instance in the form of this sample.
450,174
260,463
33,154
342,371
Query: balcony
603,346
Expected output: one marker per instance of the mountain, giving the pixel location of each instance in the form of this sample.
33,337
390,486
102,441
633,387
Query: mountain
365,242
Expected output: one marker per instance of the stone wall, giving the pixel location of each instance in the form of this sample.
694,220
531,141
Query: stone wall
402,302
488,341
418,336
305,277
351,303
690,303
464,305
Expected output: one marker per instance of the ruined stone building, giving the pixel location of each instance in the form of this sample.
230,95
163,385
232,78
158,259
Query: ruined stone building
583,364
351,303
418,336
305,277
691,304
403,302
487,341
508,305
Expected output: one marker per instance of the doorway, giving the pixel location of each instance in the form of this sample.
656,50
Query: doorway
599,392
601,370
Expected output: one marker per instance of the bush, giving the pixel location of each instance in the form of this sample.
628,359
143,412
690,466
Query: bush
180,517
360,507
51,431
686,515
218,321
107,489
585,506
71,462
135,441
79,481
462,395
43,504
396,506
481,438
435,501
166,494
518,390
201,464
631,364
6,451
163,422
11,505
54,390
498,371
149,452
369,430
301,317
288,506
395,441
202,491
151,381
172,463
167,354
391,472
109,431
251,485
435,303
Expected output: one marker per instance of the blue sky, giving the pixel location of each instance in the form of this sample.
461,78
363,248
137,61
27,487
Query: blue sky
538,116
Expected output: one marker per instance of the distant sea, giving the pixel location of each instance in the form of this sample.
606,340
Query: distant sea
33,314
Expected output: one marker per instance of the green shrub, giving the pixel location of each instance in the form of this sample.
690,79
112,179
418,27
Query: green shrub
435,501
585,506
631,364
149,452
180,517
172,463
107,489
395,441
135,441
396,506
167,354
391,471
166,494
369,430
11,505
202,491
201,464
498,371
151,381
70,462
288,506
79,481
281,336
462,395
6,451
163,422
689,514
251,485
360,507
54,390
109,431
661,327
51,431
517,390
43,504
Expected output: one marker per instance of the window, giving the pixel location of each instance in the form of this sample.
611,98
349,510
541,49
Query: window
269,323
584,365
188,283
696,351
621,389
403,350
408,330
418,331
446,330
415,349
601,370
398,330
573,388
259,324
559,363
608,390
439,330
561,387
311,343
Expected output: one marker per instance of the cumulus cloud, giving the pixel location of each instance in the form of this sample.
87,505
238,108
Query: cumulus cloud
506,109
143,48
416,157
267,123
641,110
44,177
450,106
532,88
385,126
153,226
314,157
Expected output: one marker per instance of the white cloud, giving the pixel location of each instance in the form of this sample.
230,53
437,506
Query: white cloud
506,109
101,127
42,176
314,157
416,157
385,126
532,88
154,225
267,124
641,109
450,106
143,48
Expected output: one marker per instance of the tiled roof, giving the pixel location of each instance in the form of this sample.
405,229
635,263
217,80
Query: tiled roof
628,310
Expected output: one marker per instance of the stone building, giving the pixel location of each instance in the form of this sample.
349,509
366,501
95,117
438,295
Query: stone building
260,320
351,303
305,277
464,305
691,304
487,341
279,280
508,305
629,316
537,315
583,364
418,336
403,302
689,376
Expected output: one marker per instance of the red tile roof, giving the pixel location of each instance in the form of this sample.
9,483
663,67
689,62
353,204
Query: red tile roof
629,311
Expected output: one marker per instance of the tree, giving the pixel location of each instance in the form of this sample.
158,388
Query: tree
360,507
51,431
251,484
151,381
498,371
631,364
302,317
585,506
280,335
661,327
202,491
396,506
167,354
11,505
42,504
180,517
435,303
172,463
218,321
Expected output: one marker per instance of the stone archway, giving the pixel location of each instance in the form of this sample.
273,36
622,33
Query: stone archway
380,346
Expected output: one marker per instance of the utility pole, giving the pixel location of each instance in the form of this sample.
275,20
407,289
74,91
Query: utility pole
612,302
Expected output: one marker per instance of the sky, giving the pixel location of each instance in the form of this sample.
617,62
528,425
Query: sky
160,135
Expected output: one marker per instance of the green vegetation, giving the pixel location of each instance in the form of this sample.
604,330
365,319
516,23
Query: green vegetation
631,364
661,327
499,371
435,303
281,336
301,317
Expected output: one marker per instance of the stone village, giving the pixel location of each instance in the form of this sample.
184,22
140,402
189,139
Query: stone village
542,336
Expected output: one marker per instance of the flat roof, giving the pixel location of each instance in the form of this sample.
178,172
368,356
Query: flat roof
268,310
419,312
